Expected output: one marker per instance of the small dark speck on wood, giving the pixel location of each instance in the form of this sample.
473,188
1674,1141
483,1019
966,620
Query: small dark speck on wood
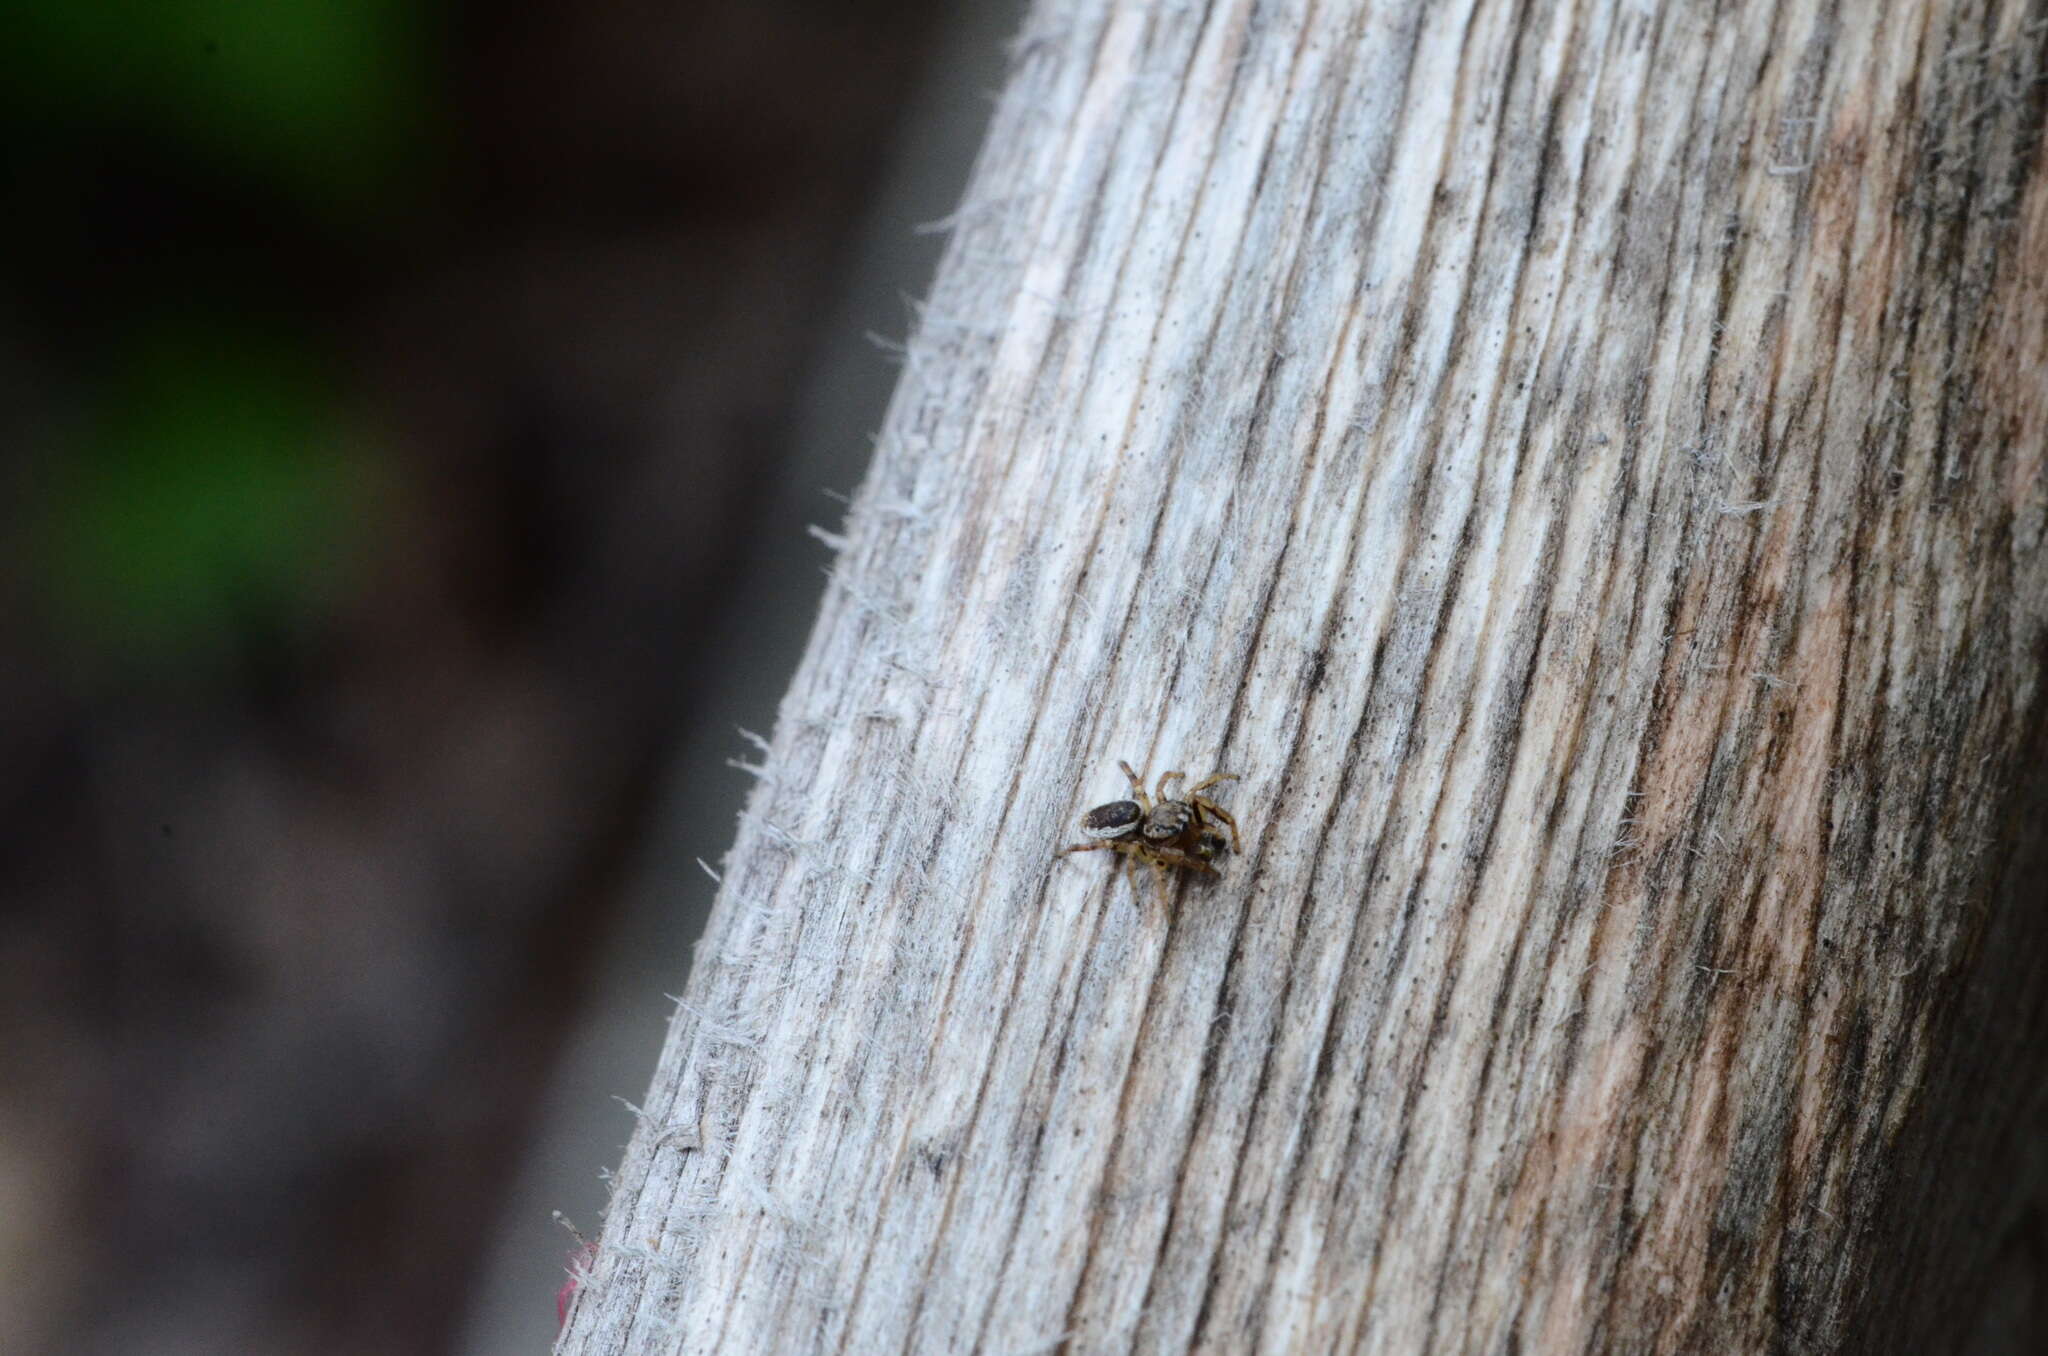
1585,991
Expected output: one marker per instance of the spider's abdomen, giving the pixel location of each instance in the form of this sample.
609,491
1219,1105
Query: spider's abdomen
1114,820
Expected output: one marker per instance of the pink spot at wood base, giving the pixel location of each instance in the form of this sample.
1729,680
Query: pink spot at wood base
580,1259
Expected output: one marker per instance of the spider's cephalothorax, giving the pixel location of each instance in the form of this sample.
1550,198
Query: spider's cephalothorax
1168,821
1160,830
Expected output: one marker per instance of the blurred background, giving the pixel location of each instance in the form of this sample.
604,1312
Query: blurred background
412,415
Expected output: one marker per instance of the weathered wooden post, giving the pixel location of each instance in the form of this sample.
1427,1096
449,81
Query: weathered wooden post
1581,463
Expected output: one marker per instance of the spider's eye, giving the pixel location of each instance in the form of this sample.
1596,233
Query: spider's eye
1114,820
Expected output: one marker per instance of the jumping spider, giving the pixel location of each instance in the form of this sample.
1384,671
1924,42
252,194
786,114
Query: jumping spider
1159,830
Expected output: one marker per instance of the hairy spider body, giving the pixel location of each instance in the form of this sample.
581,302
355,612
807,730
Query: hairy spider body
1160,830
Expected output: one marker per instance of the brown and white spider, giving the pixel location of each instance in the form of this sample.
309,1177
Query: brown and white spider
1160,830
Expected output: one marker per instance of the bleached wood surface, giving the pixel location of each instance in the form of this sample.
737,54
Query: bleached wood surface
1582,464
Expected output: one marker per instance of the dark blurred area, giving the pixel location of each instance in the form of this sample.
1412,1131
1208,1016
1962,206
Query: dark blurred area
391,393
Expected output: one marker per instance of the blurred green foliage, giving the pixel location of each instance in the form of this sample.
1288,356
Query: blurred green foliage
212,493
326,96
204,490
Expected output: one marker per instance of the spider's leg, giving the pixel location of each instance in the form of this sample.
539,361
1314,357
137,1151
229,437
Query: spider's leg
1199,787
1137,787
1207,806
1126,854
1087,847
1181,859
1164,778
1165,886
